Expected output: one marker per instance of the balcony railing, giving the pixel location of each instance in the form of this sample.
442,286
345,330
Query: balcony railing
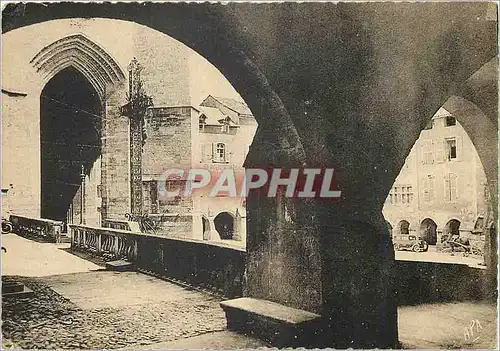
212,266
41,227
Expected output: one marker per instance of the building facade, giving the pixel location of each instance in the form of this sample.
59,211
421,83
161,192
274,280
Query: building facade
70,87
441,189
215,136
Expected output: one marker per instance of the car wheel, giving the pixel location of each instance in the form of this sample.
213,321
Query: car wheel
476,251
396,247
416,248
6,228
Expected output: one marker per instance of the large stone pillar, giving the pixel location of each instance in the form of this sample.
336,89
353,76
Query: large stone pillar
326,257
358,300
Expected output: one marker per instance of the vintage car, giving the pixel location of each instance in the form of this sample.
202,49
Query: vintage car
409,242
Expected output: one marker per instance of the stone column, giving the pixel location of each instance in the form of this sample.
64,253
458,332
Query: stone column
136,166
82,196
358,299
332,257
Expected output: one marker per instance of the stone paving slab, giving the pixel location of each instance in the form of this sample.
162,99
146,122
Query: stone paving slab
157,312
30,258
222,340
444,325
107,289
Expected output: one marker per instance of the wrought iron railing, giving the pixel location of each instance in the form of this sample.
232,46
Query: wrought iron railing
147,224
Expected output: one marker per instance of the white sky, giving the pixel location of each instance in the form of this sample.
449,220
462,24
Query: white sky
205,79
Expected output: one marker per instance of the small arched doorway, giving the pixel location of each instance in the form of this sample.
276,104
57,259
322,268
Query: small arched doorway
404,227
452,227
206,228
428,231
224,225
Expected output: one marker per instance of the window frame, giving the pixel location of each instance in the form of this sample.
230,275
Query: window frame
449,149
451,187
428,154
216,157
429,189
450,118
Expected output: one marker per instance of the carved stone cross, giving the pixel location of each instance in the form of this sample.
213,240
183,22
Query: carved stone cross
136,108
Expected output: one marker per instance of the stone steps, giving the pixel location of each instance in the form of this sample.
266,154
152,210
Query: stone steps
119,266
15,289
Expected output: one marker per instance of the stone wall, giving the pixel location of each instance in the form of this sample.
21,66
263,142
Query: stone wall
167,146
115,159
166,76
429,282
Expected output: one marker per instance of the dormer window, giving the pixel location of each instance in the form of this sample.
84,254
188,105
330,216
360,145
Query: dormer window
450,121
202,123
225,125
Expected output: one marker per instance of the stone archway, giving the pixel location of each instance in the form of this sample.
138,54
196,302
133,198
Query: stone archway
78,78
411,80
70,124
224,224
428,231
452,227
81,53
404,227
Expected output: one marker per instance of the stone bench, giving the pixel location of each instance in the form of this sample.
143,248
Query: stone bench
119,266
279,325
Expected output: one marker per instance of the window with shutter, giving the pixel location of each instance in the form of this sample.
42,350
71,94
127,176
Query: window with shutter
425,189
428,188
460,148
201,124
427,150
410,194
447,187
450,187
206,152
439,151
431,188
453,187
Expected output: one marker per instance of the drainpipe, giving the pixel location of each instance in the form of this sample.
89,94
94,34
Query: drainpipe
82,193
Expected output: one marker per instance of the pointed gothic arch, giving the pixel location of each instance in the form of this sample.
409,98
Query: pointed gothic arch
90,59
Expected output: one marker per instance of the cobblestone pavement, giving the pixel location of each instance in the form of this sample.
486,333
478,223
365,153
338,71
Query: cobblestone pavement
49,320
